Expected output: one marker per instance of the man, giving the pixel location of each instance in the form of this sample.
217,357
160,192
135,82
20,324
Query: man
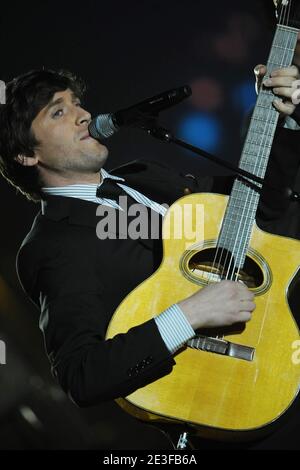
77,280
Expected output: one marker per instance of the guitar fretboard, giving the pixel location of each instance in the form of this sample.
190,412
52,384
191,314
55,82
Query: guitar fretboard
240,213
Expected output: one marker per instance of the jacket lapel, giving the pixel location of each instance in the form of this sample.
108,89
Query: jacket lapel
84,213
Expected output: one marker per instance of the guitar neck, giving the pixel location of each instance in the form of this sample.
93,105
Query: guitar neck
240,213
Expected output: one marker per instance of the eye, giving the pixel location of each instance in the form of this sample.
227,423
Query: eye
56,114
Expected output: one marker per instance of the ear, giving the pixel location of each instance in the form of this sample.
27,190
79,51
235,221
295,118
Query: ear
26,161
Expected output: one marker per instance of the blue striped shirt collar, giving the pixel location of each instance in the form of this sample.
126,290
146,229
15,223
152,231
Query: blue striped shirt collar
80,190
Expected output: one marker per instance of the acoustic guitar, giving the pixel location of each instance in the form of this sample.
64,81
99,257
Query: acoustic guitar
239,380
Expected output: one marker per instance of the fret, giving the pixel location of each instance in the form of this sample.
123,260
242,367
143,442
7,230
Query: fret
229,233
248,182
242,211
262,106
275,58
248,206
258,144
239,205
238,216
263,119
251,154
257,148
264,92
276,46
268,127
279,64
238,186
241,189
234,222
228,238
263,111
262,132
236,246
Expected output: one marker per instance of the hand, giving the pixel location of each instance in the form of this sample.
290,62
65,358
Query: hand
221,304
281,81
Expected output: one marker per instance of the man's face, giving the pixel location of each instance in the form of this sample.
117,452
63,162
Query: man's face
66,149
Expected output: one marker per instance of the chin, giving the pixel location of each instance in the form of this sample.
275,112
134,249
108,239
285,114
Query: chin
104,152
101,157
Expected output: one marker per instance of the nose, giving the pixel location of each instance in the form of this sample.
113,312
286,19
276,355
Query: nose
83,116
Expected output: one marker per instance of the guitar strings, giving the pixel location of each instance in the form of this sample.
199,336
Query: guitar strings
251,194
267,124
242,237
223,231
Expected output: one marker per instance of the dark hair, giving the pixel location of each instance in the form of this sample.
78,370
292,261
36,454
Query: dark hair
26,95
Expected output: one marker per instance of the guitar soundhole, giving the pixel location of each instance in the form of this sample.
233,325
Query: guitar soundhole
205,266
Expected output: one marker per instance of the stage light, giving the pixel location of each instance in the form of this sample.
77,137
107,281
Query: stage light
202,130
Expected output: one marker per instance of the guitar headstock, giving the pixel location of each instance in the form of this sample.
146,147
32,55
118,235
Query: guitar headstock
288,12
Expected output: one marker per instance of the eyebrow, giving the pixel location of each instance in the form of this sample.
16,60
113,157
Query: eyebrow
58,101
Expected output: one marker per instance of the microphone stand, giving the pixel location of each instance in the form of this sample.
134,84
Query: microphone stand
150,126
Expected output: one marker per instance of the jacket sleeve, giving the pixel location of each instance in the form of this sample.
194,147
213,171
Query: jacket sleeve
74,320
277,212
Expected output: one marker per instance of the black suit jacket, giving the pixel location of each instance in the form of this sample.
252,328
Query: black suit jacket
77,281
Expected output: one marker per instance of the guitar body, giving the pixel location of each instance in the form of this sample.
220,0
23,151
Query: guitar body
208,390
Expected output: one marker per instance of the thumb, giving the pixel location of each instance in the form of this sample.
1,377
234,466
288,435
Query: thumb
260,71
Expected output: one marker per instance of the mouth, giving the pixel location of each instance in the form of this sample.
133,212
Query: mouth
85,137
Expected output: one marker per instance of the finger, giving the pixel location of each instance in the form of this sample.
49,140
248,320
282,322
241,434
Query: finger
279,81
247,305
244,317
285,108
247,294
292,71
286,92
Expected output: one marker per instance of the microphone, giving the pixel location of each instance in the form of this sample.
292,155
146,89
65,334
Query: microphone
105,125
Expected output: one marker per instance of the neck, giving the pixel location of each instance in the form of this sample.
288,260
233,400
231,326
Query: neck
66,180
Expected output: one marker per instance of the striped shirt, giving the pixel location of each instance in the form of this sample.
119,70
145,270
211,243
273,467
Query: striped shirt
172,324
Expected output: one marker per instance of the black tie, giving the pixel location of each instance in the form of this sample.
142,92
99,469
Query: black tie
110,190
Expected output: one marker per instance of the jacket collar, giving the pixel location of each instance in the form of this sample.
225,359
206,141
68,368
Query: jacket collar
78,212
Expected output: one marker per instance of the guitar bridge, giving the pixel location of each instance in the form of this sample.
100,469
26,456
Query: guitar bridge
221,346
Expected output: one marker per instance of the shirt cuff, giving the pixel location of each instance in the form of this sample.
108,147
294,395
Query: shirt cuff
174,328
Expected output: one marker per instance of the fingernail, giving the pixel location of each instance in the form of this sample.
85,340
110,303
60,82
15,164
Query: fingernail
267,82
